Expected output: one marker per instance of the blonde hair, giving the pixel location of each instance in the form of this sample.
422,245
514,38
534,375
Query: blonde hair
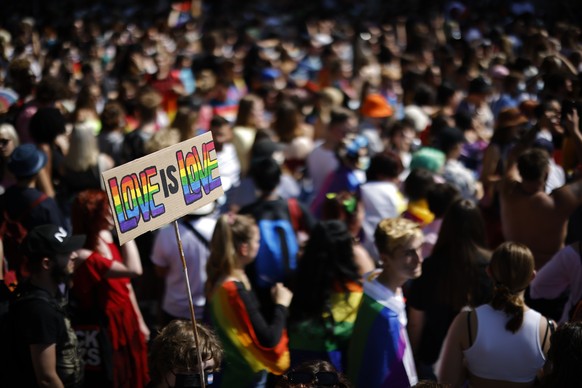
229,233
393,233
83,151
10,131
162,139
512,266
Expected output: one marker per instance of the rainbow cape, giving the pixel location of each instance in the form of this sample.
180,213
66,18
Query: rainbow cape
244,356
327,338
379,354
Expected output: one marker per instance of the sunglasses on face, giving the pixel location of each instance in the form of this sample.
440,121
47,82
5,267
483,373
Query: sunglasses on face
4,142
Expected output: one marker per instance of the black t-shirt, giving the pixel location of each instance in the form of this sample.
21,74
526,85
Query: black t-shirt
423,296
41,320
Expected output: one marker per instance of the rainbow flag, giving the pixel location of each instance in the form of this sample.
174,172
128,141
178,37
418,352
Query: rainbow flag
244,356
327,338
379,355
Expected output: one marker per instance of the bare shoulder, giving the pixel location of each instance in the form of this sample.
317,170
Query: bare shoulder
568,196
459,329
508,186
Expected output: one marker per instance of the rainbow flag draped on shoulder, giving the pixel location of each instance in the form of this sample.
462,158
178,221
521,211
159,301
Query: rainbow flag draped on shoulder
244,356
379,355
327,338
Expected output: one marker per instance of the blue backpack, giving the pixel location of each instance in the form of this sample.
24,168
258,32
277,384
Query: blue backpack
277,256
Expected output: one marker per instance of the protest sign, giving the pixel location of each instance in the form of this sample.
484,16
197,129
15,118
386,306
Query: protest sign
155,190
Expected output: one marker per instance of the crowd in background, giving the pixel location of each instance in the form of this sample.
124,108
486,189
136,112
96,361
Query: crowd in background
370,154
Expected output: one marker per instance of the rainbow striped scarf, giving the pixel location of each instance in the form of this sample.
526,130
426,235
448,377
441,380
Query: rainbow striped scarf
244,356
327,338
379,354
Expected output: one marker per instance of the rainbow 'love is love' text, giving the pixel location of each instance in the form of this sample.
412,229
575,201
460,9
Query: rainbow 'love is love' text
136,196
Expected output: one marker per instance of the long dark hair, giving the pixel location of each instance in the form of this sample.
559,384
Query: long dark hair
328,260
460,249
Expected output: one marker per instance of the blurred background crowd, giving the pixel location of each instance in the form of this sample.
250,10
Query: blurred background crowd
329,116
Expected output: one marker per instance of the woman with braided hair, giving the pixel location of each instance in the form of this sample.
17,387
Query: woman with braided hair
503,343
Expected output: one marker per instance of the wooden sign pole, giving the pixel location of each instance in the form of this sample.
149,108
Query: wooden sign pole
191,303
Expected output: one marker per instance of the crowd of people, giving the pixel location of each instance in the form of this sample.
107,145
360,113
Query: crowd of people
401,195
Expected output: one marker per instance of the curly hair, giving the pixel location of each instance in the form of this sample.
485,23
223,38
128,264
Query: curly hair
175,348
306,375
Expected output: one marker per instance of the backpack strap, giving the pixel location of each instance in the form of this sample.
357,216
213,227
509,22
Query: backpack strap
42,197
284,250
198,235
36,295
295,213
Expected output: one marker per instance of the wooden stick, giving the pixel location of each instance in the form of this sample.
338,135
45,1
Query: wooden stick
191,303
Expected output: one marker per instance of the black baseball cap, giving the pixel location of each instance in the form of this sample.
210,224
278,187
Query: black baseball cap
49,240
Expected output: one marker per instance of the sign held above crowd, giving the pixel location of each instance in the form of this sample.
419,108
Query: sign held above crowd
159,188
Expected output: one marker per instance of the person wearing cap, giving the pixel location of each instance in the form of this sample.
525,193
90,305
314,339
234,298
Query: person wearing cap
23,201
375,111
43,345
196,231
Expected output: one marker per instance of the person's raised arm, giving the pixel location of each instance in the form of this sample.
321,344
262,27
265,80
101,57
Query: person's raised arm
44,363
572,127
269,334
569,197
129,267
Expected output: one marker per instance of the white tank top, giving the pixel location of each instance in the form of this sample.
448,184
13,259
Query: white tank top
499,354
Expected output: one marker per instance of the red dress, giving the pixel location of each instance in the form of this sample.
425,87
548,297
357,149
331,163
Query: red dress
94,290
